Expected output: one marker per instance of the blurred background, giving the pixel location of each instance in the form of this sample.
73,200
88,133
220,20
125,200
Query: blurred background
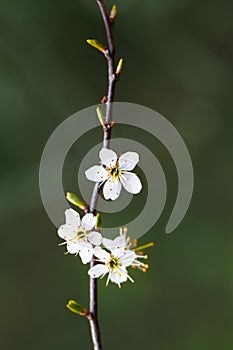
178,61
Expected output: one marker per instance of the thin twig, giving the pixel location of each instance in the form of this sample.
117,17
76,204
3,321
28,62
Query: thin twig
112,79
93,316
110,56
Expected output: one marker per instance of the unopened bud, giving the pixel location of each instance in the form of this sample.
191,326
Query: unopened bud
119,68
77,308
100,116
98,220
113,14
97,45
74,199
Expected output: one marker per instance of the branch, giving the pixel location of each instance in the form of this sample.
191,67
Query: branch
107,129
112,79
108,26
110,56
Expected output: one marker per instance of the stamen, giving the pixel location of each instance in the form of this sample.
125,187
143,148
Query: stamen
142,257
108,280
145,246
62,243
130,278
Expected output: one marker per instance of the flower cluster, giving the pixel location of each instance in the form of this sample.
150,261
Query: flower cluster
111,257
115,260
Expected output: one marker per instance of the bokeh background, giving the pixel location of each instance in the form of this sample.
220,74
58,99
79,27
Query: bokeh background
178,61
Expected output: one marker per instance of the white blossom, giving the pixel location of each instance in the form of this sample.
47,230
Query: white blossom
113,265
115,261
115,172
78,235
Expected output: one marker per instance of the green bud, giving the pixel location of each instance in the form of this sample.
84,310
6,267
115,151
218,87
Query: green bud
100,116
119,67
74,199
97,45
113,14
98,220
77,308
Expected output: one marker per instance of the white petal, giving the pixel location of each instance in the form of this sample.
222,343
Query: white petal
119,276
128,160
127,257
86,255
131,182
96,173
116,244
107,243
108,157
101,254
119,242
72,218
66,232
83,244
88,221
98,271
73,247
112,189
94,237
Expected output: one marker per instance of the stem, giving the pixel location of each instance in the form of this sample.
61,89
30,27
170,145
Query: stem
93,317
110,56
112,79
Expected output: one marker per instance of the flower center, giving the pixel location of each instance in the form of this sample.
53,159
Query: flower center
115,172
80,235
114,263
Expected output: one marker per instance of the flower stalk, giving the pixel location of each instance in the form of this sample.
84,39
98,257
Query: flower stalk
112,79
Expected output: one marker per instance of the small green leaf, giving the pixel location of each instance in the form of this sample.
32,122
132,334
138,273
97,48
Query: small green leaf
76,308
119,67
98,220
97,45
100,116
113,14
74,199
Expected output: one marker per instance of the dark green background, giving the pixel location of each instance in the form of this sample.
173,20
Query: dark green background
178,61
